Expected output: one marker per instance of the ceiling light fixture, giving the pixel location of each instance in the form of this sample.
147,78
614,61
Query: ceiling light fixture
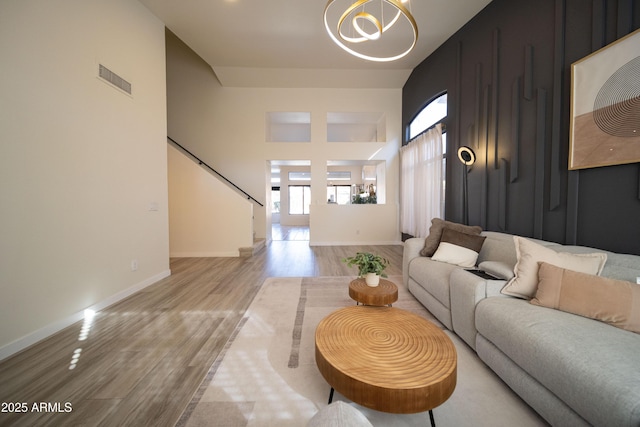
375,30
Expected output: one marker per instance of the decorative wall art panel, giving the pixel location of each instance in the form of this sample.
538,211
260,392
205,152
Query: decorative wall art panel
605,106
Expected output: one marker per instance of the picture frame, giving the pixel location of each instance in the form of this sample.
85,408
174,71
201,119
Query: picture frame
605,106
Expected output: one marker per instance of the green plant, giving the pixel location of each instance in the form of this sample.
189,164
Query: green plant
359,200
368,263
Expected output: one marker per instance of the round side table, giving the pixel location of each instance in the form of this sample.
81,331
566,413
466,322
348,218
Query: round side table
386,293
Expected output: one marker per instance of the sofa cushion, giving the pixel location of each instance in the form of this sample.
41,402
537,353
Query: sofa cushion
616,302
433,276
435,233
530,253
458,248
618,266
589,365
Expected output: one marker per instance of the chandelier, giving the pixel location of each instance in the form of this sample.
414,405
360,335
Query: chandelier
375,30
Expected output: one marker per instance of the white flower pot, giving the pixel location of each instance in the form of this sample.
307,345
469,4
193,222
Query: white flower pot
372,279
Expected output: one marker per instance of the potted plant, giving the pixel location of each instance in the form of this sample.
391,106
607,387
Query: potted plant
370,266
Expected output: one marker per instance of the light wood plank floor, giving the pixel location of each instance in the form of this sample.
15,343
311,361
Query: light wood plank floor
289,232
144,357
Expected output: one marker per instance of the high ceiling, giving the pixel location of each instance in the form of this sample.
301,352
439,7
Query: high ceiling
283,43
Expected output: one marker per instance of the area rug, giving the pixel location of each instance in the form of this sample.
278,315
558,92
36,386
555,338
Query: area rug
267,376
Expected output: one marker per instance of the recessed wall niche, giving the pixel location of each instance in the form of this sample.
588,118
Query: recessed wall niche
356,127
283,126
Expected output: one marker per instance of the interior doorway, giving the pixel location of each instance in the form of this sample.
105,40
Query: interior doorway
289,194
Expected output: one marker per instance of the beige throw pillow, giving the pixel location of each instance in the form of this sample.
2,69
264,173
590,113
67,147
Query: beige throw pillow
616,302
435,234
529,254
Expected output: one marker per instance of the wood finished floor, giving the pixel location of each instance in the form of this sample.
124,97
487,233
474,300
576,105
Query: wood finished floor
289,232
144,357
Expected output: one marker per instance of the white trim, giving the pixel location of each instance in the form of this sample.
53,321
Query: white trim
357,243
34,337
205,254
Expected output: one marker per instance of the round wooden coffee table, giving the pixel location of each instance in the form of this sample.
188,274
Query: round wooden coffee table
386,359
386,293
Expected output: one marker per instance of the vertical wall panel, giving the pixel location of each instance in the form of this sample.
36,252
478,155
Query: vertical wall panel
541,125
528,73
484,204
504,187
515,129
458,93
495,79
458,134
558,73
625,17
571,229
598,17
478,106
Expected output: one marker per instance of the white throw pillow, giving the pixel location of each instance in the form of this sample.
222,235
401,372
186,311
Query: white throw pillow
454,254
458,248
529,254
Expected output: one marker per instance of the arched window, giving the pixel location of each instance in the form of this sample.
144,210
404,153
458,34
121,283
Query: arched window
435,112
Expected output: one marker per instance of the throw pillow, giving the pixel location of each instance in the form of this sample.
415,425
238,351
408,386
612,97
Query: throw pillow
529,254
435,233
615,302
458,248
497,269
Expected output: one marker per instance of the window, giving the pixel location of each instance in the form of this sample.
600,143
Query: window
299,199
275,199
299,176
433,113
339,176
340,194
423,169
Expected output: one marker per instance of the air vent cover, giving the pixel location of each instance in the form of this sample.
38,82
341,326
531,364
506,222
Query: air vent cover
114,79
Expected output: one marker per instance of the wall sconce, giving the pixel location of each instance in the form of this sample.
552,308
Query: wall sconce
467,157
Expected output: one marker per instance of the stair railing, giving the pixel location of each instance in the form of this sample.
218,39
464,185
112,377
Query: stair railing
203,163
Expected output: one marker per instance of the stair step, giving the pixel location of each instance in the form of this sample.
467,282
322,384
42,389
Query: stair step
258,245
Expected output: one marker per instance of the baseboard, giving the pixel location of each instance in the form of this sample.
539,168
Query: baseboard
37,336
204,254
356,243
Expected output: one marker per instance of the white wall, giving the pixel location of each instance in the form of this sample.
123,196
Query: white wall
226,127
206,217
83,176
353,224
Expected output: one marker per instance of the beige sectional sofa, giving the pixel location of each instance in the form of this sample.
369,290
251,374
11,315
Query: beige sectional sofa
571,369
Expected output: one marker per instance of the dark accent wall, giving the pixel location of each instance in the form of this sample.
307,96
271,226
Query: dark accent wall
508,76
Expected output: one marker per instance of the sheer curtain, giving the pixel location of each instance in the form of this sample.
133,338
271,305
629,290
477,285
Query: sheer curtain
421,182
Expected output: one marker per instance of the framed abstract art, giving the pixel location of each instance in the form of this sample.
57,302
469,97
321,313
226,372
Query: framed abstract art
605,106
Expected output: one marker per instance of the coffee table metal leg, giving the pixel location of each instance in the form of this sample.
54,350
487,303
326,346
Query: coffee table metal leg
331,396
433,423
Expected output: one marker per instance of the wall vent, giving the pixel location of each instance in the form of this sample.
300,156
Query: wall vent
114,79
